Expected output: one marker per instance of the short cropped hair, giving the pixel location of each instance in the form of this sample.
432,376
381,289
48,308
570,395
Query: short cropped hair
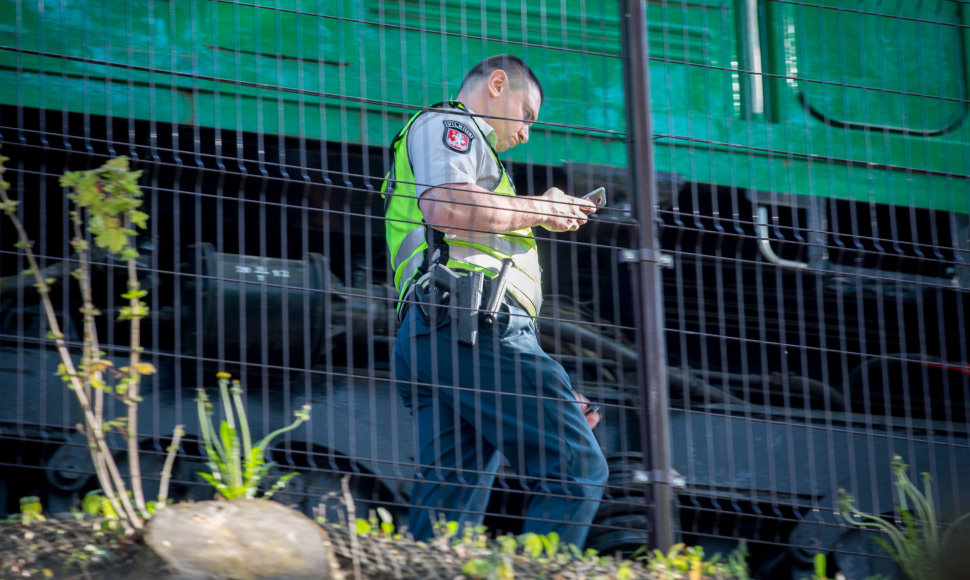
519,73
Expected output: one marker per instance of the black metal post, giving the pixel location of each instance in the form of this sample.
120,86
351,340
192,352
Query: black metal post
646,259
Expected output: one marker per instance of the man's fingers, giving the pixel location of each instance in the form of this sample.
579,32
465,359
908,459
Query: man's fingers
584,205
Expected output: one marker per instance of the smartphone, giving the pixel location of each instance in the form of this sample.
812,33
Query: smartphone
597,196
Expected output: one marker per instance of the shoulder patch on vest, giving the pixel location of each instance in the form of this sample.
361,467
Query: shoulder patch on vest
457,136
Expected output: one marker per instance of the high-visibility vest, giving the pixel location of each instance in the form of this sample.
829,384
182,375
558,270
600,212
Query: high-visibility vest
407,234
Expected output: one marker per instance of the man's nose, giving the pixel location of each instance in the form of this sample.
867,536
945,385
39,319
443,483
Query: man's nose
524,134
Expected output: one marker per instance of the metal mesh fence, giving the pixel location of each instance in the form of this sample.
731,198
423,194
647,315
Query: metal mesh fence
808,170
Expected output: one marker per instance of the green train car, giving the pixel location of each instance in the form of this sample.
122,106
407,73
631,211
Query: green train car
840,100
813,188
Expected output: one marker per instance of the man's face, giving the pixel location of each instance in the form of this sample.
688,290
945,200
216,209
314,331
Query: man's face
520,108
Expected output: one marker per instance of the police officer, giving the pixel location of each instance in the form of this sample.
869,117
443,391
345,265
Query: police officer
451,206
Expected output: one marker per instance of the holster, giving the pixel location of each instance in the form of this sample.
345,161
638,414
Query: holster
460,295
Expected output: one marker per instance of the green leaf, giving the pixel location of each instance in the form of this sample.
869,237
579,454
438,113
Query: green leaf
31,509
69,178
257,457
532,544
140,310
387,528
452,529
820,565
134,294
93,503
113,240
280,484
508,544
139,219
228,435
477,568
625,571
551,543
88,196
144,368
212,481
115,205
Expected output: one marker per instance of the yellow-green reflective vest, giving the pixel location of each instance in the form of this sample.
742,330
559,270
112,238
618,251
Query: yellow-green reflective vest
407,236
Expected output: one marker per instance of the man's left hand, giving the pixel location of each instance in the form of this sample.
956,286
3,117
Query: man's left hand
590,411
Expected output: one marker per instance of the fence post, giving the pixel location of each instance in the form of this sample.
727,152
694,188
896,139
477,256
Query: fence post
651,346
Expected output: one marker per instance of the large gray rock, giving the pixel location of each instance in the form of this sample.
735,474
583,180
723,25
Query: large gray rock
246,539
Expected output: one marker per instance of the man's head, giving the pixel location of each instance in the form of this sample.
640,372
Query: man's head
504,89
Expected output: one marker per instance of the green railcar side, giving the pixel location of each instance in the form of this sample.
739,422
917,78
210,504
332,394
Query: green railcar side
860,101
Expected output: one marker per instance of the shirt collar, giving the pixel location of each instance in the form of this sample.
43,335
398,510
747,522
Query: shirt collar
486,129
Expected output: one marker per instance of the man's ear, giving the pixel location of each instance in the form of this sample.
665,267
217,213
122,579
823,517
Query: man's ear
498,81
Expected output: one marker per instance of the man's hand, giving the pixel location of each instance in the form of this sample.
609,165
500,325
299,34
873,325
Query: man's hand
564,213
592,412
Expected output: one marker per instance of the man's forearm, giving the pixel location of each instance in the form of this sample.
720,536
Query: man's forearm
468,208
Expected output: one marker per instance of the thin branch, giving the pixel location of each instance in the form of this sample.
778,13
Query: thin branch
131,395
167,468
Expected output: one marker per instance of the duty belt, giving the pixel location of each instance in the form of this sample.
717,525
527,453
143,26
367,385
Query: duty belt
467,296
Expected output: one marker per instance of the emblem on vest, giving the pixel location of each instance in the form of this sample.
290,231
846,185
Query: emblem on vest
457,137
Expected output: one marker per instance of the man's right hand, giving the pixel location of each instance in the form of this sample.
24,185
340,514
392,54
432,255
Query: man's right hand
564,213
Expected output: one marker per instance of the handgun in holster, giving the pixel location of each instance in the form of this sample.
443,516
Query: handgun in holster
459,295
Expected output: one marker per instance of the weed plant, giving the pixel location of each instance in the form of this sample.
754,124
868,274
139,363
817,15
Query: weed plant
916,543
238,467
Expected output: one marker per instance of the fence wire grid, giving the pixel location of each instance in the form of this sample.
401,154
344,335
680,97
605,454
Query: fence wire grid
809,167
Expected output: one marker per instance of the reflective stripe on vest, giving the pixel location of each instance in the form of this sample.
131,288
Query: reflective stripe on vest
410,254
407,235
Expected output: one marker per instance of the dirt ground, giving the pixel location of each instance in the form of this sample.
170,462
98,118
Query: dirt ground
62,548
81,549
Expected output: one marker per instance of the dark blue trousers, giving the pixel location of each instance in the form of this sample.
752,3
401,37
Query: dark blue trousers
502,396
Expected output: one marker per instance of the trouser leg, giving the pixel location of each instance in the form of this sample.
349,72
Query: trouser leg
456,473
519,401
456,467
552,445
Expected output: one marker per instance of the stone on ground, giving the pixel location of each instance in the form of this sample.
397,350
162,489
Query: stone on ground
247,539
